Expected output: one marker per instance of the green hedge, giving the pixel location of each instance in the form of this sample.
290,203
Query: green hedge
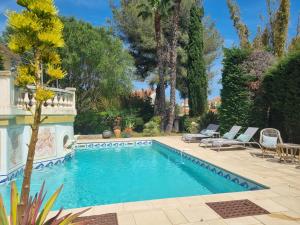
280,102
236,103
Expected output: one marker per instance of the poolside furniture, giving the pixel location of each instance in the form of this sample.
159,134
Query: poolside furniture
242,140
230,135
269,138
288,151
210,131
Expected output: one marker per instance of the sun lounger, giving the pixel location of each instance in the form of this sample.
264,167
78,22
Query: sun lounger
242,140
230,135
210,131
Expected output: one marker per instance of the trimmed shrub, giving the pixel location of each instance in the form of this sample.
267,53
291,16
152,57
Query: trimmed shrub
280,101
236,103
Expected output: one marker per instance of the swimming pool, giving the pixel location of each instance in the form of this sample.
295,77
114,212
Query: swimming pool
106,173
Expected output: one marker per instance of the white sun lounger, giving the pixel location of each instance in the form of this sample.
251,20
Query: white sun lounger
210,131
242,140
230,135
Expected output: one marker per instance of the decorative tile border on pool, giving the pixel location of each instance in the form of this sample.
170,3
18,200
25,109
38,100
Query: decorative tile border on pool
244,182
37,165
115,144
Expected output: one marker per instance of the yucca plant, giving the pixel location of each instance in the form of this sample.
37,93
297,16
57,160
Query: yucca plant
34,214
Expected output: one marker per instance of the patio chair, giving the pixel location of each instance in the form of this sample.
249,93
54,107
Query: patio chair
269,138
242,140
230,135
210,131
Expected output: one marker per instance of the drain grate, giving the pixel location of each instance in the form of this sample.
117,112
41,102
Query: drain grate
237,208
105,219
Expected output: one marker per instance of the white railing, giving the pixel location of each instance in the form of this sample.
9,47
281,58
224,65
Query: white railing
18,101
63,98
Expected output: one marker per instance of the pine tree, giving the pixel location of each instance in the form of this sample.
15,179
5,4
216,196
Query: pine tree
197,79
37,30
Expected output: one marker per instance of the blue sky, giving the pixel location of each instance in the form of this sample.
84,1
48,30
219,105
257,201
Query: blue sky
98,11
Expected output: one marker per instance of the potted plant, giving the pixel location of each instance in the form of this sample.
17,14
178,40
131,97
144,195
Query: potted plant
117,127
129,125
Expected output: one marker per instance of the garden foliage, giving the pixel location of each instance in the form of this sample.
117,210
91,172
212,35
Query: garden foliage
280,101
152,128
236,102
197,78
100,69
1,62
34,213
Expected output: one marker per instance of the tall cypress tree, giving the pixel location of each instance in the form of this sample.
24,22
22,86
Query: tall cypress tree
1,63
196,78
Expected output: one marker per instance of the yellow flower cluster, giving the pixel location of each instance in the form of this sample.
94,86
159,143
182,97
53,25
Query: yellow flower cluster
25,19
25,76
45,6
55,73
43,94
51,38
19,43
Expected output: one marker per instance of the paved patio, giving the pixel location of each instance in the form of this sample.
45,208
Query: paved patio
282,200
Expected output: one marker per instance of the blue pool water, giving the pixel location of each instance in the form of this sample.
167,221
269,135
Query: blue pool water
114,175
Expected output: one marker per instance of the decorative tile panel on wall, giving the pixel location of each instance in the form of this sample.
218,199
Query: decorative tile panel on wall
14,157
45,147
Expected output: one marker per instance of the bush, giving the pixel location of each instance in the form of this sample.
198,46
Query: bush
139,124
191,125
152,128
141,107
280,101
208,118
236,104
90,123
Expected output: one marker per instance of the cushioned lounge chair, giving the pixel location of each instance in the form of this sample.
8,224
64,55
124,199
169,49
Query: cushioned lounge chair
230,135
210,131
269,138
242,140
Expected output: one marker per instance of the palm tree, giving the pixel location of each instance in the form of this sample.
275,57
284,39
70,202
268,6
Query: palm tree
173,64
157,9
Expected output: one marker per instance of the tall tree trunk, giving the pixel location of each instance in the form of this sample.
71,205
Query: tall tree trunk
25,191
157,101
161,98
173,66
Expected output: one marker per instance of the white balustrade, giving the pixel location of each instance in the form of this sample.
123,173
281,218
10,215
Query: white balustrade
18,101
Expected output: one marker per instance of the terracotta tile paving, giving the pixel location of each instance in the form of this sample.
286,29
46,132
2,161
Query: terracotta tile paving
282,200
105,219
236,208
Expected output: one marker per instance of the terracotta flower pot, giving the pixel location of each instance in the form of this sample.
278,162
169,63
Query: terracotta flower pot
128,130
117,133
